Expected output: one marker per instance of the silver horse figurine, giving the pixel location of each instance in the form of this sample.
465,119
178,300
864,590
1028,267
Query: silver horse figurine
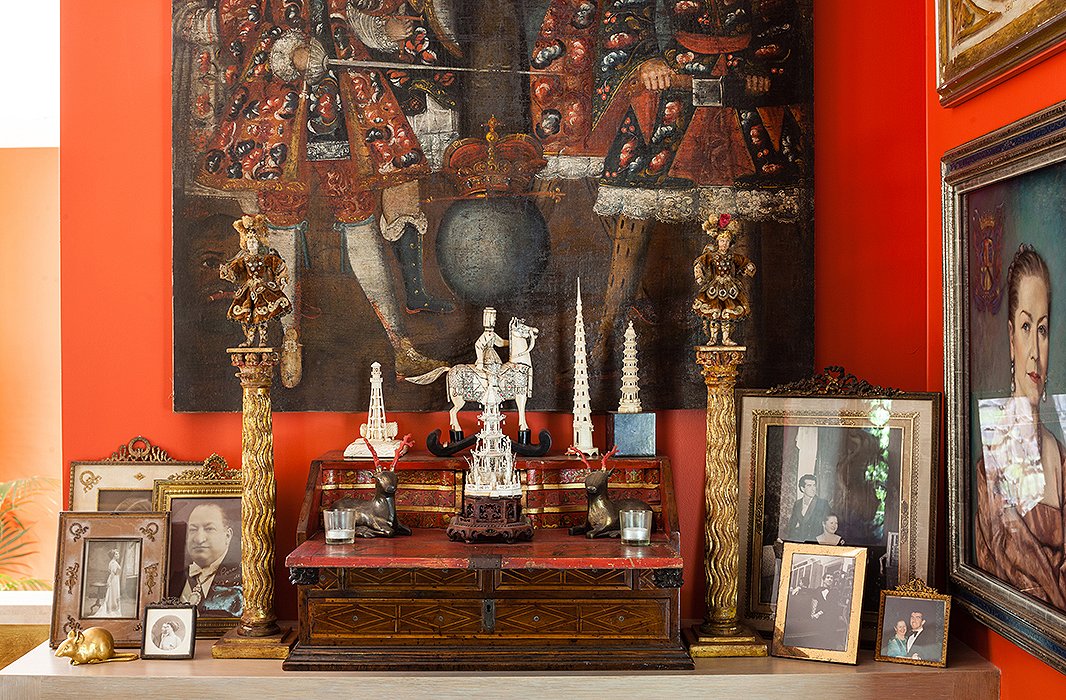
466,383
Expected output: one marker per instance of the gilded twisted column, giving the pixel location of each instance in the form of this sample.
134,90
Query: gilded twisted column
719,634
256,372
721,535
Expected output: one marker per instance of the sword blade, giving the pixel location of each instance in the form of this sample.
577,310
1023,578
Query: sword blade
396,65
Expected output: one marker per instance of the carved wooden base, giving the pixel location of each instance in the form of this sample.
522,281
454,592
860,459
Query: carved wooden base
744,642
490,519
234,646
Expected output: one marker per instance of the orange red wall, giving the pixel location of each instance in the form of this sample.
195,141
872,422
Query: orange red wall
880,134
30,431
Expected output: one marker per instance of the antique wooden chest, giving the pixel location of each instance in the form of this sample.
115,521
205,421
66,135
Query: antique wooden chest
425,602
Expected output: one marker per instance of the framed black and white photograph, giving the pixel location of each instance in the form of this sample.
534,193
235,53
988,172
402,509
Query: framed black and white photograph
1005,377
819,602
912,626
205,549
112,574
835,470
169,631
109,566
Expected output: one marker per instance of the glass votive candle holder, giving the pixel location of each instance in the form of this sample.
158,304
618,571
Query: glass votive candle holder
636,527
339,526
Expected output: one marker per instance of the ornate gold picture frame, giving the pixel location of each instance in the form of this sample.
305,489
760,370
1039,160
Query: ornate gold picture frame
912,625
1004,221
205,545
983,42
818,603
869,459
123,481
109,566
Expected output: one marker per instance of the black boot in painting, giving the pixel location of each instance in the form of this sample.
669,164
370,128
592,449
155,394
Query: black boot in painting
409,252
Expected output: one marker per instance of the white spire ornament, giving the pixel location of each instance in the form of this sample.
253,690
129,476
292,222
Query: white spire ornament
629,429
380,433
630,402
582,411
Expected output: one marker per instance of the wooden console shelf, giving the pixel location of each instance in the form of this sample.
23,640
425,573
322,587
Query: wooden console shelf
426,603
39,675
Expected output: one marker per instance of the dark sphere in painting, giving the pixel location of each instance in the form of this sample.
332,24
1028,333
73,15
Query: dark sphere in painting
492,249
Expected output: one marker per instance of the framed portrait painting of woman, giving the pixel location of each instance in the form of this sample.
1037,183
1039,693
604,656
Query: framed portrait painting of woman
1005,361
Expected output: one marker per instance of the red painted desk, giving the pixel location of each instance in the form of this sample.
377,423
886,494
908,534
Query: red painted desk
423,602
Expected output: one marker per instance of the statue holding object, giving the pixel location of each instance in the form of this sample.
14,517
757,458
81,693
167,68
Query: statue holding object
721,299
261,279
514,381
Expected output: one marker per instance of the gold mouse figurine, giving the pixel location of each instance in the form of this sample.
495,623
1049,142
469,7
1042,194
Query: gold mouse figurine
93,646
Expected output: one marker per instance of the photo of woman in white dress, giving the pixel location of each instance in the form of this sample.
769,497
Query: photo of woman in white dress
112,579
113,595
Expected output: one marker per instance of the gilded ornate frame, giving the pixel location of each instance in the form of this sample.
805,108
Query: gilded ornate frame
850,653
76,530
963,71
211,481
836,399
916,588
133,467
1031,143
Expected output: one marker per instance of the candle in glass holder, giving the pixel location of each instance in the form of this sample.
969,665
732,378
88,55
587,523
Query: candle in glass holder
636,527
339,526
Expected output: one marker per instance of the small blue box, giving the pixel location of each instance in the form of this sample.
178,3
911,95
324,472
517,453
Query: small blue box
632,433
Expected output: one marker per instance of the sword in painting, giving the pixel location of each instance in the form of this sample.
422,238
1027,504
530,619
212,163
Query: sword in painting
396,65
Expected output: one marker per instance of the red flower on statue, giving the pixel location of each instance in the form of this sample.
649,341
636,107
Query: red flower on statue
724,220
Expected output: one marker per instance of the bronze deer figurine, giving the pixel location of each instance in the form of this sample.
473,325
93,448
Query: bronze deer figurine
377,517
602,518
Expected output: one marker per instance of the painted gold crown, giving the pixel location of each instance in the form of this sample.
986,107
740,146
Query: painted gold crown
494,165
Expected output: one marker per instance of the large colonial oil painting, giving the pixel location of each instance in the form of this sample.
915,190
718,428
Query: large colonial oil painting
1005,216
419,160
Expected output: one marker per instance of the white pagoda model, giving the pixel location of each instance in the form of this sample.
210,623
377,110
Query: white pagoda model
377,430
630,402
492,471
492,494
582,411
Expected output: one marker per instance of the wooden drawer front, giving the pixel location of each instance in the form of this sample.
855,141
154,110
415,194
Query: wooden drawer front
553,579
328,579
630,619
413,579
340,621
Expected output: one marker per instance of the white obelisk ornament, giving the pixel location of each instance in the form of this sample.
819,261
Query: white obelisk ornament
582,411
380,432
